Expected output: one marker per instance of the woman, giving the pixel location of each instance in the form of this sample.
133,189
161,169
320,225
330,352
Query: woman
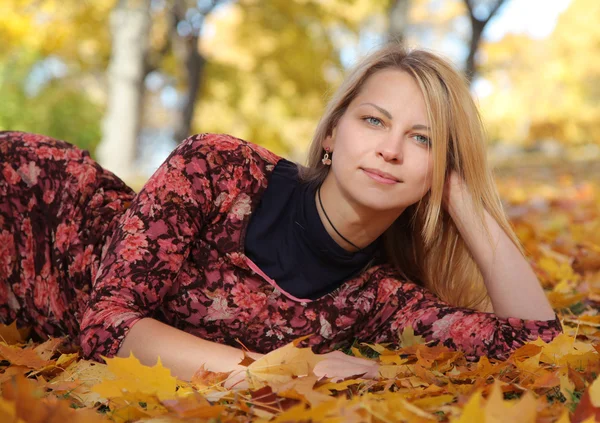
395,222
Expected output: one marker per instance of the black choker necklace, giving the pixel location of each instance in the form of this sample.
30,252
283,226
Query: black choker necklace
329,220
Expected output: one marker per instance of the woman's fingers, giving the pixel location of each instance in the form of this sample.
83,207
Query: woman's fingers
341,366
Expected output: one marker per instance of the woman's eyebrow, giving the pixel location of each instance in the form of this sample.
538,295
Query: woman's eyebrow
381,109
389,116
427,128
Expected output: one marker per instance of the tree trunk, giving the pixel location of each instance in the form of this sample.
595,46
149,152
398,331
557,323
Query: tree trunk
476,31
129,26
397,20
477,27
187,53
194,66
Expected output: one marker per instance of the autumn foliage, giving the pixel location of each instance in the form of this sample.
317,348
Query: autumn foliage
556,382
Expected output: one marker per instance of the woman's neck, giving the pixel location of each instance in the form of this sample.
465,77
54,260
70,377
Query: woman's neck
357,224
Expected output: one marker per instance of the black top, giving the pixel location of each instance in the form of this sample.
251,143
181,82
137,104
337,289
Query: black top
288,242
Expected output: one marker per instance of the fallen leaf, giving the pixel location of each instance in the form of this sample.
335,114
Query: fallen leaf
133,376
282,364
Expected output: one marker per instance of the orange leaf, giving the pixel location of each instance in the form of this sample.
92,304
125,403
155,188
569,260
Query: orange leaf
11,335
22,356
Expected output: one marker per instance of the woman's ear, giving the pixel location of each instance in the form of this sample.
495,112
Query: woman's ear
329,140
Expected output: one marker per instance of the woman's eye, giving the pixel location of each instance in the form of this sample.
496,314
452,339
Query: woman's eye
373,119
422,139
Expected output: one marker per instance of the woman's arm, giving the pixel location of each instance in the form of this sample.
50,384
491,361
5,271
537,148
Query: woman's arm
147,249
511,283
181,352
401,303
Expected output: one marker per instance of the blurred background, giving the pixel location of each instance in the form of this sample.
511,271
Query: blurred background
129,79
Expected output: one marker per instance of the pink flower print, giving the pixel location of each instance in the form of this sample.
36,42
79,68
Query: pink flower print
40,293
229,277
471,326
33,138
344,322
132,224
155,183
219,310
225,143
229,199
238,259
28,266
176,182
7,254
364,301
167,245
174,260
386,288
401,318
23,286
325,330
29,172
11,176
32,203
149,208
133,248
220,198
45,152
442,326
66,235
81,261
238,175
73,154
310,315
177,162
85,174
57,301
241,207
265,154
341,299
136,241
49,196
243,297
256,172
275,319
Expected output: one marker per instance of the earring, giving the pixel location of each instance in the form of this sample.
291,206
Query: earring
326,160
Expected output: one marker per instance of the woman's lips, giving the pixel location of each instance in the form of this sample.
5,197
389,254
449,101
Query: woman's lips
379,178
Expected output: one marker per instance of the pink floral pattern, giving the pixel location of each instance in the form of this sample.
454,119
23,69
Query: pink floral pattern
81,254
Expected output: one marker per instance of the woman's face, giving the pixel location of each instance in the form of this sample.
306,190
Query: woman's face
385,129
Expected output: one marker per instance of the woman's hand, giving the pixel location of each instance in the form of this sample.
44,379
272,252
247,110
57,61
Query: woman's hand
335,365
455,193
338,366
237,378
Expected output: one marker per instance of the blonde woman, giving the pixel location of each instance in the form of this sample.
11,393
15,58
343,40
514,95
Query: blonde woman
394,222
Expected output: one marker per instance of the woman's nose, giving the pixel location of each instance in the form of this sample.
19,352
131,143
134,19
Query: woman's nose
391,150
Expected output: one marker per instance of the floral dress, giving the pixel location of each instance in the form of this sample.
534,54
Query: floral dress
81,254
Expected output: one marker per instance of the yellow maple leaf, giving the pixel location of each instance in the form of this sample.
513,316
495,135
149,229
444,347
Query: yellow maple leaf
497,410
302,389
87,374
472,412
408,338
565,349
594,390
133,376
282,364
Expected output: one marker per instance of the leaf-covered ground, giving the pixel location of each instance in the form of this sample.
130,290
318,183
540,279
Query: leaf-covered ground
558,222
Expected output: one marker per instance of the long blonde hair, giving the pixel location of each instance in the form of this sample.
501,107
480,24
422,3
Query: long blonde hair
424,244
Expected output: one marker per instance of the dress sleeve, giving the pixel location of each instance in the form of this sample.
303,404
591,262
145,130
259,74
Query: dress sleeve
144,254
400,304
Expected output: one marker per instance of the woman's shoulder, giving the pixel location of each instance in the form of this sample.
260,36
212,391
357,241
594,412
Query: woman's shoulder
228,147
